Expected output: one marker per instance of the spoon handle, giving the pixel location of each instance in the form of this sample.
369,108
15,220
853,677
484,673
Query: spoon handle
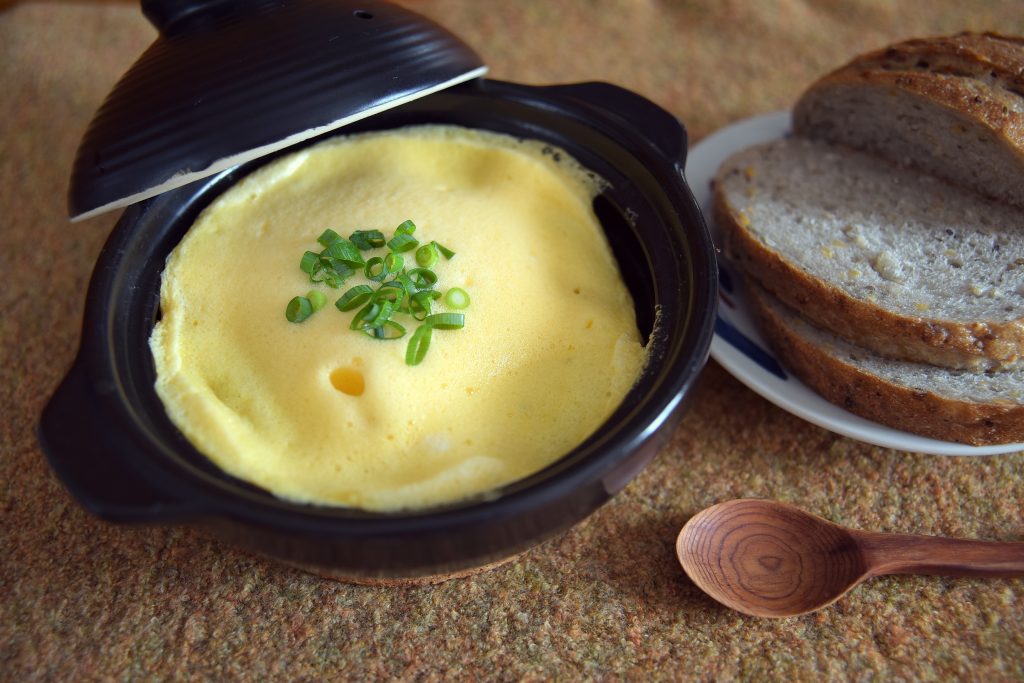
937,556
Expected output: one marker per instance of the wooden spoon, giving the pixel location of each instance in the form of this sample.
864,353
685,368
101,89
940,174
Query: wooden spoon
770,559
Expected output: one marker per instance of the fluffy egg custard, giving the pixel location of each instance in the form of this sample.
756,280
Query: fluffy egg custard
315,412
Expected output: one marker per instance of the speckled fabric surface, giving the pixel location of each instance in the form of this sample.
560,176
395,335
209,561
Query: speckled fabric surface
81,599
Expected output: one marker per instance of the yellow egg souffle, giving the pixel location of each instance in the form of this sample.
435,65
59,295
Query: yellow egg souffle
318,413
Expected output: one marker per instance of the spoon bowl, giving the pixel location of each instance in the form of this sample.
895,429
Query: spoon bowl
771,559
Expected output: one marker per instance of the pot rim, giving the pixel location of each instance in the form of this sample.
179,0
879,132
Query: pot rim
665,380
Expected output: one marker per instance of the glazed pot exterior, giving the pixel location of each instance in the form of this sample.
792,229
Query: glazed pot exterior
110,441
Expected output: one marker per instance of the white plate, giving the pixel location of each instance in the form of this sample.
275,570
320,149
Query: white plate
739,348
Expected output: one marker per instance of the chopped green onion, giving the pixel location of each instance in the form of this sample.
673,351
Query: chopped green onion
344,251
398,291
457,298
423,278
426,255
402,242
406,283
448,253
316,299
390,291
331,279
418,345
365,315
421,303
368,239
446,321
332,273
387,307
328,237
393,262
342,268
375,269
357,296
388,330
310,262
299,308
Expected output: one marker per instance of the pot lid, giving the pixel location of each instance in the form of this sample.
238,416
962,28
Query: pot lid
228,81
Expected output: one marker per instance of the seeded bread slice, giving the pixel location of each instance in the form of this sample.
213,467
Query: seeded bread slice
950,106
890,259
951,405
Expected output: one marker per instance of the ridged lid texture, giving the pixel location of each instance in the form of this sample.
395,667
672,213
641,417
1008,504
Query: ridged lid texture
231,80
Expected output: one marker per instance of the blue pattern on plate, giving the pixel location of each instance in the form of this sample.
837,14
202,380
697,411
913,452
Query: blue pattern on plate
724,278
748,348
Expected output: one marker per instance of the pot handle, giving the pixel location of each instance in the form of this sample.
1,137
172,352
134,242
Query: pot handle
636,112
81,452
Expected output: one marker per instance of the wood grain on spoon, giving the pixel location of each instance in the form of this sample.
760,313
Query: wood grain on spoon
767,558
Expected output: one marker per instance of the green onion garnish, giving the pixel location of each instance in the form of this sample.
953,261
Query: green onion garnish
328,237
375,269
457,298
448,253
418,345
402,242
391,291
397,291
344,251
367,239
387,307
446,321
393,262
426,256
341,268
405,282
357,296
365,315
331,273
310,262
299,308
389,330
421,303
316,299
423,278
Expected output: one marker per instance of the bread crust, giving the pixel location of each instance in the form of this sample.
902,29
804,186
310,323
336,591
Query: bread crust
882,401
976,78
975,346
976,104
986,56
980,75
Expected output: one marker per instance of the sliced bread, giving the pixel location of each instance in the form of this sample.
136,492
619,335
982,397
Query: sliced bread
888,258
951,405
951,106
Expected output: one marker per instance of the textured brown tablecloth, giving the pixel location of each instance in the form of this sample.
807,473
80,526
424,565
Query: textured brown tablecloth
81,599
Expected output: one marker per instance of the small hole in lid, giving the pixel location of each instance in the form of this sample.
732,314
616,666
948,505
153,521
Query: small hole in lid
362,14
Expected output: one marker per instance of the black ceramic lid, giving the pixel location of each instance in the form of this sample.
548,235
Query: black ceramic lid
231,80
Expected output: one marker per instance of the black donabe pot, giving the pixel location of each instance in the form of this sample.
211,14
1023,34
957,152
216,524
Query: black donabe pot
108,438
